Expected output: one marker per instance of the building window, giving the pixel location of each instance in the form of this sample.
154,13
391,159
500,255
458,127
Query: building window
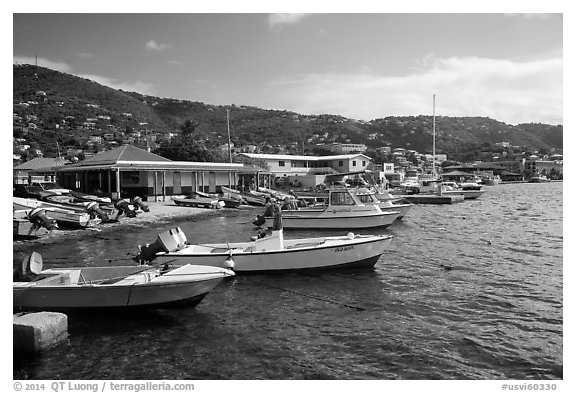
340,163
281,163
353,163
363,163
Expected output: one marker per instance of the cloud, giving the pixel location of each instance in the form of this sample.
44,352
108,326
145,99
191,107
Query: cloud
154,46
280,20
43,62
512,92
85,55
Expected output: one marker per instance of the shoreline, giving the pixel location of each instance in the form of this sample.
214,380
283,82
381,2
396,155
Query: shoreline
159,212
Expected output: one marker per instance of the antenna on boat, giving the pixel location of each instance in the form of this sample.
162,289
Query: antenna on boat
434,134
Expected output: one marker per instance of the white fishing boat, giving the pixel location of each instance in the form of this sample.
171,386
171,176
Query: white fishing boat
469,192
272,253
111,287
367,196
343,211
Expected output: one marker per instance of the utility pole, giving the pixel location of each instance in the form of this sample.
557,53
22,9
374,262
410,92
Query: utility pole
229,145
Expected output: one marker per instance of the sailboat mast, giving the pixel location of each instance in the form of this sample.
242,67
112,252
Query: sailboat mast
434,134
229,146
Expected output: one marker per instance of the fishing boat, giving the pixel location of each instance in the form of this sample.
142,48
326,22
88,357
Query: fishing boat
469,192
22,207
90,197
251,198
539,179
271,253
368,196
195,200
228,200
343,211
111,287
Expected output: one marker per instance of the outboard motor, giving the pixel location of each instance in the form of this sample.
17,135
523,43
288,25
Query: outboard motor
31,267
94,209
137,201
260,220
171,240
123,206
38,216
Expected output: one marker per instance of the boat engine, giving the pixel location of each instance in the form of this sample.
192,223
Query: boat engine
94,209
123,206
38,216
260,220
137,201
31,267
169,241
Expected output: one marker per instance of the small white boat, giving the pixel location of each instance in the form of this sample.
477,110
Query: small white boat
343,211
539,179
112,287
471,192
271,253
367,196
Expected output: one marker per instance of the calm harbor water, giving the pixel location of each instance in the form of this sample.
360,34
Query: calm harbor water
496,314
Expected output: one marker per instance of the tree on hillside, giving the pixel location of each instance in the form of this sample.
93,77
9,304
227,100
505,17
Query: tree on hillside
188,127
185,149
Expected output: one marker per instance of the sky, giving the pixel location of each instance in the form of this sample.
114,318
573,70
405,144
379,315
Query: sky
361,65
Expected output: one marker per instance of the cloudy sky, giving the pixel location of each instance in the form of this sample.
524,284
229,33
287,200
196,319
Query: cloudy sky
507,66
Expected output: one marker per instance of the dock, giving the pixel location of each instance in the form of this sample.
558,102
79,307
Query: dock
433,199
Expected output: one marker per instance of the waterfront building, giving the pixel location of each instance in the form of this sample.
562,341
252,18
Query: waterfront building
39,169
128,171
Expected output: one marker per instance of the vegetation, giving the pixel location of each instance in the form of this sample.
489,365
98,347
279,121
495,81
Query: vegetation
54,110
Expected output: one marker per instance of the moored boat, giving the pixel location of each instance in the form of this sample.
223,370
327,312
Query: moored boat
367,196
272,253
196,200
112,287
343,211
251,198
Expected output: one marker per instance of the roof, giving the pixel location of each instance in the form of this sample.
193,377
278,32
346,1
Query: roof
122,153
259,156
41,163
133,158
456,173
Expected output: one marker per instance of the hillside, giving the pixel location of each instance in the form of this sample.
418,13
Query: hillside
68,109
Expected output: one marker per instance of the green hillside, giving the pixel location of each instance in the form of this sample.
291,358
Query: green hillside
59,104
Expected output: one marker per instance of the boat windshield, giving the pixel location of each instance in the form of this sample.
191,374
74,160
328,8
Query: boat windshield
341,198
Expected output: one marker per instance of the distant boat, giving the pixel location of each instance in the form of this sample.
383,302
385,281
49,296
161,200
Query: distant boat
252,198
367,196
343,211
471,192
111,287
539,179
271,253
195,200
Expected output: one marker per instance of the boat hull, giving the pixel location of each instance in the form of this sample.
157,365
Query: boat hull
335,219
468,194
162,292
298,254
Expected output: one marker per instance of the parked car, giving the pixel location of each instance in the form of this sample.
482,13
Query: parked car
26,191
52,187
